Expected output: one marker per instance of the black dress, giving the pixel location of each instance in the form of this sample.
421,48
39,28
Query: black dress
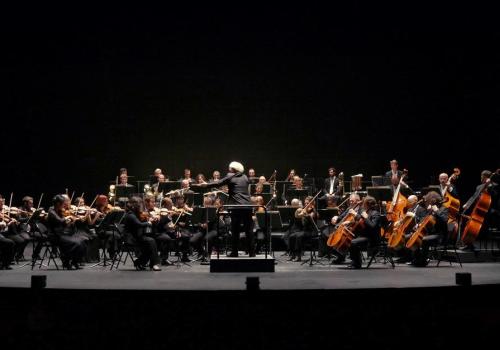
136,234
72,247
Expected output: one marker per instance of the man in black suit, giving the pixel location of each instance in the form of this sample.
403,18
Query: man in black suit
237,184
330,186
446,186
392,177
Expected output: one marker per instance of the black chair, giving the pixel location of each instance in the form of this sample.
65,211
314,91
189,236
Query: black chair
48,245
379,249
442,251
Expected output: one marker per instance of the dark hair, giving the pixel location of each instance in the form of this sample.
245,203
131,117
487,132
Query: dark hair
26,199
432,197
58,199
135,204
369,202
486,173
149,198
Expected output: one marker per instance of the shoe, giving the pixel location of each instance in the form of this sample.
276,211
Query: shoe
138,266
337,261
291,258
76,265
353,267
67,266
155,268
166,262
233,255
299,258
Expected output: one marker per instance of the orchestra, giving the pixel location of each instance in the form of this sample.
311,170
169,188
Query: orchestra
159,222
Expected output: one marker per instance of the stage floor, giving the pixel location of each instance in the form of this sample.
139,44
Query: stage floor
288,276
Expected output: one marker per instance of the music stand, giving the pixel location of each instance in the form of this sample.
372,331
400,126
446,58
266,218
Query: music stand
123,193
110,222
380,193
327,214
202,215
168,186
299,194
193,199
378,181
287,213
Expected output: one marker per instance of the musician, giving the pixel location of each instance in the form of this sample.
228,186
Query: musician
165,234
433,205
136,234
108,236
7,249
489,182
215,175
368,232
444,181
161,178
61,228
156,174
10,230
200,178
393,176
182,221
123,181
354,204
123,171
237,183
331,185
187,176
252,177
307,216
291,175
85,228
206,233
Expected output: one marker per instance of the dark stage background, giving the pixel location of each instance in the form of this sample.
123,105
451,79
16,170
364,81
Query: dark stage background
281,89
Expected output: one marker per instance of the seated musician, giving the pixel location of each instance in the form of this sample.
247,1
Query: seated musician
215,176
181,221
136,225
200,178
161,178
355,208
60,222
26,228
11,230
291,175
432,206
86,228
187,176
489,183
156,174
446,186
7,248
368,231
206,232
105,231
123,181
298,183
307,216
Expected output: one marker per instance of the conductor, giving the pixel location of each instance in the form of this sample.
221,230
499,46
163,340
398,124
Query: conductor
241,218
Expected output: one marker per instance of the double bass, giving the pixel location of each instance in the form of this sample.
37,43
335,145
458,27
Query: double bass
396,207
452,203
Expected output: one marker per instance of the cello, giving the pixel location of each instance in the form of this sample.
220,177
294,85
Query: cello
416,239
341,237
476,219
395,208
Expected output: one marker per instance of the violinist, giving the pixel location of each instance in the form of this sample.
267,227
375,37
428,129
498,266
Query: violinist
61,229
354,206
307,216
85,227
435,234
26,226
165,230
10,230
136,229
109,237
181,221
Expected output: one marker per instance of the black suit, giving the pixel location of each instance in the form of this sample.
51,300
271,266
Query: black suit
237,184
369,234
135,231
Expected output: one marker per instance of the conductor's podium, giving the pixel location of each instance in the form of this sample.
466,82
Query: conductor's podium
242,263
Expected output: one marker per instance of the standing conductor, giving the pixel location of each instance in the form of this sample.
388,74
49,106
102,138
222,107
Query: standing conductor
241,218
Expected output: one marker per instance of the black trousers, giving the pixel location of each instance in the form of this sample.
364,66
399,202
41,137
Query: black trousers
242,219
296,241
165,241
7,250
72,247
20,240
198,240
148,251
420,255
357,246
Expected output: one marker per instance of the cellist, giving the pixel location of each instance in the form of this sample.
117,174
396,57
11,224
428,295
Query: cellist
489,185
367,230
433,206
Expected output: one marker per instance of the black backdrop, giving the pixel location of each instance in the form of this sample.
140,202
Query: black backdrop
276,89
